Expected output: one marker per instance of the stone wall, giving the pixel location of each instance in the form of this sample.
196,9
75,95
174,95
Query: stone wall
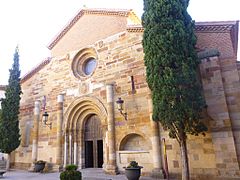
120,61
83,33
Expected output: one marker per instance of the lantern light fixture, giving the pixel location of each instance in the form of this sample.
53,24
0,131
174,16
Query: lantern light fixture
120,107
45,120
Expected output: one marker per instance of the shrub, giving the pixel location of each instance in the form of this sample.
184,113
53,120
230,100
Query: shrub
71,173
133,164
71,167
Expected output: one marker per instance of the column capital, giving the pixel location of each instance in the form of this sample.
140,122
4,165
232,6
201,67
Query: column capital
110,84
37,107
60,98
37,103
109,93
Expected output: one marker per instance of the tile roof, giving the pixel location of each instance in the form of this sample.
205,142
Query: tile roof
111,12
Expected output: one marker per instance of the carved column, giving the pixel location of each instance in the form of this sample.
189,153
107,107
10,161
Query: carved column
65,150
81,151
111,167
155,138
59,130
70,148
105,146
35,132
75,147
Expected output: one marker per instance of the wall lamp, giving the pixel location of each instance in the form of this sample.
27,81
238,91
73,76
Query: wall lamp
45,120
120,108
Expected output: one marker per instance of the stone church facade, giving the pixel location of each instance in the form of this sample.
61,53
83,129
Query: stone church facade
97,58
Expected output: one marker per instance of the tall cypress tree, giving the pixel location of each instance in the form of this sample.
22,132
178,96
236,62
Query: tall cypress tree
9,123
171,66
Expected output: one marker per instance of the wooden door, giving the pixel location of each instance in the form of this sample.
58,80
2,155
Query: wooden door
93,143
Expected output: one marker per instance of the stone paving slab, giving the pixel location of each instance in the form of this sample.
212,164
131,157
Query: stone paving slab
87,174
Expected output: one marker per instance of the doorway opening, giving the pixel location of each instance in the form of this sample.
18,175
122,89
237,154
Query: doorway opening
93,143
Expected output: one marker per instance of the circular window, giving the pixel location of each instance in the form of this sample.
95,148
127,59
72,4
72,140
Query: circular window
89,66
84,63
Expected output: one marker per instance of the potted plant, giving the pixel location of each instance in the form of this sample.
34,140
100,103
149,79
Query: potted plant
133,171
71,173
39,165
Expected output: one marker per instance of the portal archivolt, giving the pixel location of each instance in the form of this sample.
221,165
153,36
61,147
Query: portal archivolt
79,114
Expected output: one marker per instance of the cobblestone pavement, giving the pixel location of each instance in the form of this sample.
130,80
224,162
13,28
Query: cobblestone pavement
87,174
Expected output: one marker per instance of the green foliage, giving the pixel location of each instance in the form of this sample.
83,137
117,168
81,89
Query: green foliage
9,123
171,66
133,164
71,167
71,173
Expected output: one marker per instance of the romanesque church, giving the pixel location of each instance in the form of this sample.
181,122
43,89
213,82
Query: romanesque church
89,104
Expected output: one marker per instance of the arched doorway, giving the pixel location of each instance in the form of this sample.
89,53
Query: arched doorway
93,142
80,114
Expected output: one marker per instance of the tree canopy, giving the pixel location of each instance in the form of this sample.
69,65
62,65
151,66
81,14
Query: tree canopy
9,123
171,67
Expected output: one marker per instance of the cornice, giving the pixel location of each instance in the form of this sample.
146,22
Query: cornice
35,70
107,12
200,27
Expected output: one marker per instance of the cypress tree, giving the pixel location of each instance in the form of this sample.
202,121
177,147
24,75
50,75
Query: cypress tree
9,123
171,67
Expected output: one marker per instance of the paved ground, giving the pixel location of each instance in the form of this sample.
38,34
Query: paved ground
88,174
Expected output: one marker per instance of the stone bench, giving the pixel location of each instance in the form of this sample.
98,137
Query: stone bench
3,167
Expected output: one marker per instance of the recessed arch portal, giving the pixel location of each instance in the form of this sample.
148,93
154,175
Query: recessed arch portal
80,114
80,108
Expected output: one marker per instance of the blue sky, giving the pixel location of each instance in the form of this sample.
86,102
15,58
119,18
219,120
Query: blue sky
33,24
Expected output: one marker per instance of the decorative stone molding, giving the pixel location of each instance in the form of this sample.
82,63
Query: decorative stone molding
81,108
80,60
35,70
207,53
107,12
